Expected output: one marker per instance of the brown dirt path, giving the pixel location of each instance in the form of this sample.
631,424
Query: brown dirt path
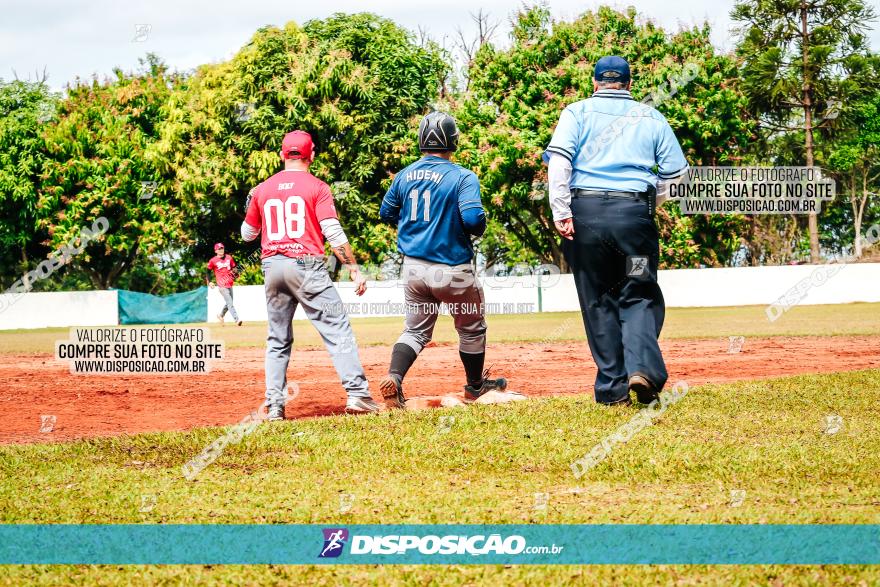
87,406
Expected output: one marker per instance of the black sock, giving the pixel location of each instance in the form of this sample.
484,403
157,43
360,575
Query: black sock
473,367
402,358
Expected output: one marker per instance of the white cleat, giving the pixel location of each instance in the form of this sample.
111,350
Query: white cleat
275,413
362,405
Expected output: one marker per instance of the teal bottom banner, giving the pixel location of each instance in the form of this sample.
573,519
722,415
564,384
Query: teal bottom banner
439,544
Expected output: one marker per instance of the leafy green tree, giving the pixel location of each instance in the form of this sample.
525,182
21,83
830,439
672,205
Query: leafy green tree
99,167
855,157
355,82
24,108
516,96
793,52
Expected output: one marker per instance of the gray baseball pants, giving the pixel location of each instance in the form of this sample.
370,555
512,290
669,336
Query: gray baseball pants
305,281
426,286
226,292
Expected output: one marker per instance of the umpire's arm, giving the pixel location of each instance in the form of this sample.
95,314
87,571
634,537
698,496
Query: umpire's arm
559,155
671,165
559,178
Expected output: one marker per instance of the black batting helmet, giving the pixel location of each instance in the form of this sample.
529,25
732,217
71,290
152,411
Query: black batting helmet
438,132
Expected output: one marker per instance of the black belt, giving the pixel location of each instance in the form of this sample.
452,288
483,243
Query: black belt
582,193
649,196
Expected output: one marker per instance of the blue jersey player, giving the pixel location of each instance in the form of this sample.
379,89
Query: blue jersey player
436,206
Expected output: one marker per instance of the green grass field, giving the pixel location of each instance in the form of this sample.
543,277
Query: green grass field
835,320
761,438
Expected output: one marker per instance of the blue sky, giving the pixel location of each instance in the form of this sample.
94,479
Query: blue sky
79,38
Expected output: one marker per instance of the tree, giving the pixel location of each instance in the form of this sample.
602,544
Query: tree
357,83
24,108
793,52
856,159
516,96
99,167
468,46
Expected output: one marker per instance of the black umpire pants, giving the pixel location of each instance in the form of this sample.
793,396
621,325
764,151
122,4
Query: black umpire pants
614,258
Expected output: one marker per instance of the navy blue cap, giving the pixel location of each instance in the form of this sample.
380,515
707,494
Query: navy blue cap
611,68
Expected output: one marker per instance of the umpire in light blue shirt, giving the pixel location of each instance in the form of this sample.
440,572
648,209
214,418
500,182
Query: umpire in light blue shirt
610,160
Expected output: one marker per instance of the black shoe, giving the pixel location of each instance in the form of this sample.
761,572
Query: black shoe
392,393
621,403
472,393
646,392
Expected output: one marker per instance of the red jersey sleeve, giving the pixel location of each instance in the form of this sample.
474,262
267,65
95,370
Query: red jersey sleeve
324,206
253,216
231,262
211,264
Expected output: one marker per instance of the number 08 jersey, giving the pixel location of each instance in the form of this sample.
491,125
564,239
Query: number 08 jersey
427,200
288,208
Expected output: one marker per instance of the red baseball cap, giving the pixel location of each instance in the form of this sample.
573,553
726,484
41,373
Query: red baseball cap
297,145
219,246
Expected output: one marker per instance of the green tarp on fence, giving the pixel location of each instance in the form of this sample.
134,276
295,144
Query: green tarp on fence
141,308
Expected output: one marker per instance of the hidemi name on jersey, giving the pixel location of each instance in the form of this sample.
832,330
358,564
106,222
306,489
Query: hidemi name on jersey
420,174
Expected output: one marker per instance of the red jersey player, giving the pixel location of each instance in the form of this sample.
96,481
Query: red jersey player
222,266
294,211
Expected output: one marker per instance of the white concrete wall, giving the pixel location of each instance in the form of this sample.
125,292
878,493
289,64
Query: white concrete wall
810,284
66,308
740,286
250,300
515,295
744,286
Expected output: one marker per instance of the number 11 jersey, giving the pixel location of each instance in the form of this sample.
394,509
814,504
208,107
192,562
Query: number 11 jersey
427,199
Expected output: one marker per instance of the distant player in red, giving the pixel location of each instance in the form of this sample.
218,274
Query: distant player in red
294,211
222,266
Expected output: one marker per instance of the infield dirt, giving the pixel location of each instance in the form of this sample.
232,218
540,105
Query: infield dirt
36,385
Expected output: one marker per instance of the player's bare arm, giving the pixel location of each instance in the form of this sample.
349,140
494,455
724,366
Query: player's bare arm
345,254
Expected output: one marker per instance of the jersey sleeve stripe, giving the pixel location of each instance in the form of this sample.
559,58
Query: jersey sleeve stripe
672,175
560,151
389,203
